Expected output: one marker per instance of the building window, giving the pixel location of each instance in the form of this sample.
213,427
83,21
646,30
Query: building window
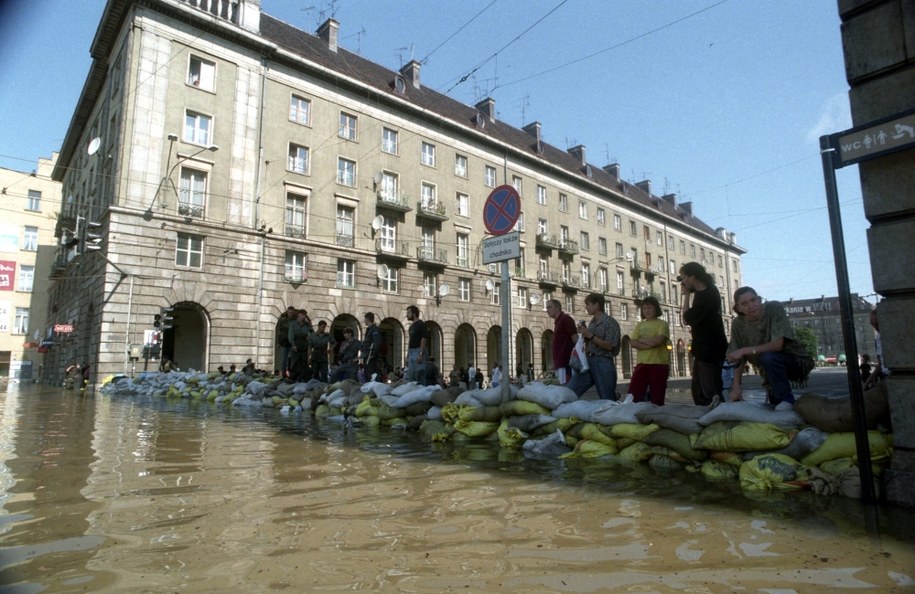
682,247
189,251
618,253
672,267
620,282
26,278
428,196
490,177
430,284
428,154
646,234
563,203
298,159
345,226
518,184
387,235
464,292
347,126
389,281
582,209
603,280
586,276
692,250
462,249
300,110
541,195
197,128
462,205
390,141
34,203
602,246
495,296
201,73
22,321
460,165
670,243
663,292
624,311
346,172
601,217
427,244
346,273
30,239
659,238
519,224
521,297
296,266
633,229
192,194
585,241
295,216
542,227
617,223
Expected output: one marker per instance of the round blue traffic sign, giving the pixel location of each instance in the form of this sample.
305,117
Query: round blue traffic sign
502,209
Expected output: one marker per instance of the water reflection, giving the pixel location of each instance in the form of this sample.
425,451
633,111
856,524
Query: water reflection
121,495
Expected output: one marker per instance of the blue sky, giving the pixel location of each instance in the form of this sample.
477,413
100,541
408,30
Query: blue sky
719,101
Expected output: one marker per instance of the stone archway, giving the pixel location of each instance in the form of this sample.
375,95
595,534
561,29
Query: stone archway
546,353
524,353
626,357
493,348
393,348
465,346
187,342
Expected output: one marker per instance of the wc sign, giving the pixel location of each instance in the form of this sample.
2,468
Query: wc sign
874,139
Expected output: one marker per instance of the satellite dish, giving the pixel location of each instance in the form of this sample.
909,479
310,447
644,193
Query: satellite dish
377,222
534,299
630,256
443,290
377,178
382,271
490,285
94,145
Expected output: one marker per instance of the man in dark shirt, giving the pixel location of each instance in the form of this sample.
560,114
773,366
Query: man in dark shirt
417,347
703,316
371,347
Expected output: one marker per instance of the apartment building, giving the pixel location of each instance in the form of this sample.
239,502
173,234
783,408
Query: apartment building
31,200
226,165
824,317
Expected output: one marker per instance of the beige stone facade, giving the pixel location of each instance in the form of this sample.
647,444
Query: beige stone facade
27,247
244,165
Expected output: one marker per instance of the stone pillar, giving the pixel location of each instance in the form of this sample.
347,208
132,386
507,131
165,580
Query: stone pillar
879,43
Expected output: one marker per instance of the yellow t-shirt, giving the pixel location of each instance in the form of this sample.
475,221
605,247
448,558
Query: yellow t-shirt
648,329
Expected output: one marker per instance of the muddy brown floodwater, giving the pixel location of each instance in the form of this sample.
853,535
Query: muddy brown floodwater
119,494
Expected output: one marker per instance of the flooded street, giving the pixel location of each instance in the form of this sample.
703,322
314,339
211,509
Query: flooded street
110,494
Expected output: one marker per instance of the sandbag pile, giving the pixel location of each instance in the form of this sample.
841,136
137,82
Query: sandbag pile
765,450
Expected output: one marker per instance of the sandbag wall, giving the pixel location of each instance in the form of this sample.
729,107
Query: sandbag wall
762,448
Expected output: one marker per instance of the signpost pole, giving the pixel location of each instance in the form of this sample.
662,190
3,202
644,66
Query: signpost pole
506,330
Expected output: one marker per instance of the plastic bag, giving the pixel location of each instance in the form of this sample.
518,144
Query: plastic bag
579,359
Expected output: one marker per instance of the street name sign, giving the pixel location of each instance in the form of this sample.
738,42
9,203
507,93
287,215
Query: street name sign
502,247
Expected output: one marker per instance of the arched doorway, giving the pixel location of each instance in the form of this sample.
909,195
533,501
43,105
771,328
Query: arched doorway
338,325
493,348
186,342
465,346
546,353
626,356
393,348
524,353
681,359
435,342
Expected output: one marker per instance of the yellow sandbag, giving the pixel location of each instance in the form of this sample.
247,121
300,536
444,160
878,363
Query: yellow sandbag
842,445
838,466
678,442
452,412
772,472
637,452
713,470
386,412
517,408
367,408
490,414
396,422
729,458
430,427
665,463
592,431
633,430
476,428
370,421
587,448
510,437
563,424
742,437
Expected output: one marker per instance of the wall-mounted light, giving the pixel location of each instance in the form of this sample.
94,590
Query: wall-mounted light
442,292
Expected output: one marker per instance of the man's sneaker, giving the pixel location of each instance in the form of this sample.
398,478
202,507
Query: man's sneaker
716,400
784,405
629,399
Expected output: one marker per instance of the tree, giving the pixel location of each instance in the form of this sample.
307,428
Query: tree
808,339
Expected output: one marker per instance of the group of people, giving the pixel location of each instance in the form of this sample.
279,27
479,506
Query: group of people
584,353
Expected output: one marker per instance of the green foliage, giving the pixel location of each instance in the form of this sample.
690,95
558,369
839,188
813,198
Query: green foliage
807,338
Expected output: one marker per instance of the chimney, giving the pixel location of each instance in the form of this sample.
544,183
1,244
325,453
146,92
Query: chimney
687,208
249,15
410,72
328,32
533,129
645,186
488,108
613,169
579,153
670,198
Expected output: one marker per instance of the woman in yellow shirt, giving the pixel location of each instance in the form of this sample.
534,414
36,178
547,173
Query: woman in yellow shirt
650,338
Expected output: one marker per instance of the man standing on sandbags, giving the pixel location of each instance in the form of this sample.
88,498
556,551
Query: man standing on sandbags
763,336
702,313
417,346
564,337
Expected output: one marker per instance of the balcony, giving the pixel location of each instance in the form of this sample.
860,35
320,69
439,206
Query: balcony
518,273
547,241
191,211
571,281
569,247
344,240
636,267
393,250
432,256
393,200
294,231
548,279
434,210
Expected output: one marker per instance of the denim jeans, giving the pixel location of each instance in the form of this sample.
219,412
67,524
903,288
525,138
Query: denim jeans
416,369
601,373
779,369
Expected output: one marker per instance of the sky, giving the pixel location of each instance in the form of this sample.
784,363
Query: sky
719,101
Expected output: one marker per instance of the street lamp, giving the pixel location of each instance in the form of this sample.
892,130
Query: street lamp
172,138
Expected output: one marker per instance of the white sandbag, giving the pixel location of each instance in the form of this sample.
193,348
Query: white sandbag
376,388
389,399
552,446
422,394
528,423
468,398
487,397
256,388
434,413
752,412
548,396
405,388
582,409
326,398
683,418
621,413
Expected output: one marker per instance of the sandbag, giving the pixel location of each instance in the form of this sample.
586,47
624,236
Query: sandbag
751,412
621,413
421,394
679,417
510,437
741,437
491,414
676,441
591,432
376,388
528,423
551,446
713,470
771,472
582,409
549,396
405,388
417,409
476,428
806,441
446,396
843,445
587,448
432,427
632,430
434,413
834,415
664,462
637,452
518,407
